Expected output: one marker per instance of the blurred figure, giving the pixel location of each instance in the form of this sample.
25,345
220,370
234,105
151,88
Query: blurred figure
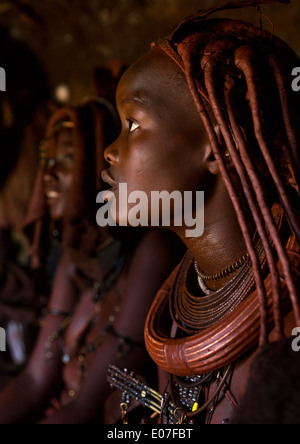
104,284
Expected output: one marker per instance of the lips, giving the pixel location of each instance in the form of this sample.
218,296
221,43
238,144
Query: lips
111,192
106,177
52,194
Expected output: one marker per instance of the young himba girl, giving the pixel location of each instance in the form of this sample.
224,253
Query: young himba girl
103,285
211,109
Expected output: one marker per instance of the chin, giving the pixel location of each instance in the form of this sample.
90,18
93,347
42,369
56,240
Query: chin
117,218
55,214
56,211
56,217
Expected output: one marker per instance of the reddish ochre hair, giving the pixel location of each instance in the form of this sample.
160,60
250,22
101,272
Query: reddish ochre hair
240,79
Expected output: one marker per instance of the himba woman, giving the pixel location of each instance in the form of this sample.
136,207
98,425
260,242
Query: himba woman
211,108
103,286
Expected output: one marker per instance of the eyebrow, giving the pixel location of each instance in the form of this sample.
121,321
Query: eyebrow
136,100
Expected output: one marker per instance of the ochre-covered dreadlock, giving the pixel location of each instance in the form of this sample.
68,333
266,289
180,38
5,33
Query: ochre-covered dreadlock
240,79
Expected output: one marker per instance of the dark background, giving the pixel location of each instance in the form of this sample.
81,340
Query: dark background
71,37
55,45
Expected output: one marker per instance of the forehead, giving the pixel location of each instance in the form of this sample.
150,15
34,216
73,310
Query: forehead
59,141
64,135
155,76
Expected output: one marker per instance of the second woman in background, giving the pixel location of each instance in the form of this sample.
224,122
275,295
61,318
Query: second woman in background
104,284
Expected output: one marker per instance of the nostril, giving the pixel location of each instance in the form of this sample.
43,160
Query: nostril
111,154
49,176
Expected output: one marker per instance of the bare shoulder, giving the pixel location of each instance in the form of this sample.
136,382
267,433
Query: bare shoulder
154,259
158,248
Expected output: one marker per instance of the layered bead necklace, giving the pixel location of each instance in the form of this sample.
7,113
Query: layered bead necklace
193,312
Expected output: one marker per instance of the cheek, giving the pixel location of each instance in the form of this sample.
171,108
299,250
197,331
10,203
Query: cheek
138,169
161,163
147,158
66,179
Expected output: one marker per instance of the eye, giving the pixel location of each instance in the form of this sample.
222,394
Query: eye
132,125
69,157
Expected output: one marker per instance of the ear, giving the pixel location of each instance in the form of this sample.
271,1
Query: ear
211,162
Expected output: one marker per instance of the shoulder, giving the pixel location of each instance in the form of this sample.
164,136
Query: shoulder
152,261
159,247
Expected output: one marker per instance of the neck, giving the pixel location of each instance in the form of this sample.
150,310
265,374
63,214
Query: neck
222,243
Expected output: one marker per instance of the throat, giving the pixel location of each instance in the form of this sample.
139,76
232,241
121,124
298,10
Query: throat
222,243
218,254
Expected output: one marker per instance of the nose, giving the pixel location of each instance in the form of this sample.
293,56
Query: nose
111,154
50,171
